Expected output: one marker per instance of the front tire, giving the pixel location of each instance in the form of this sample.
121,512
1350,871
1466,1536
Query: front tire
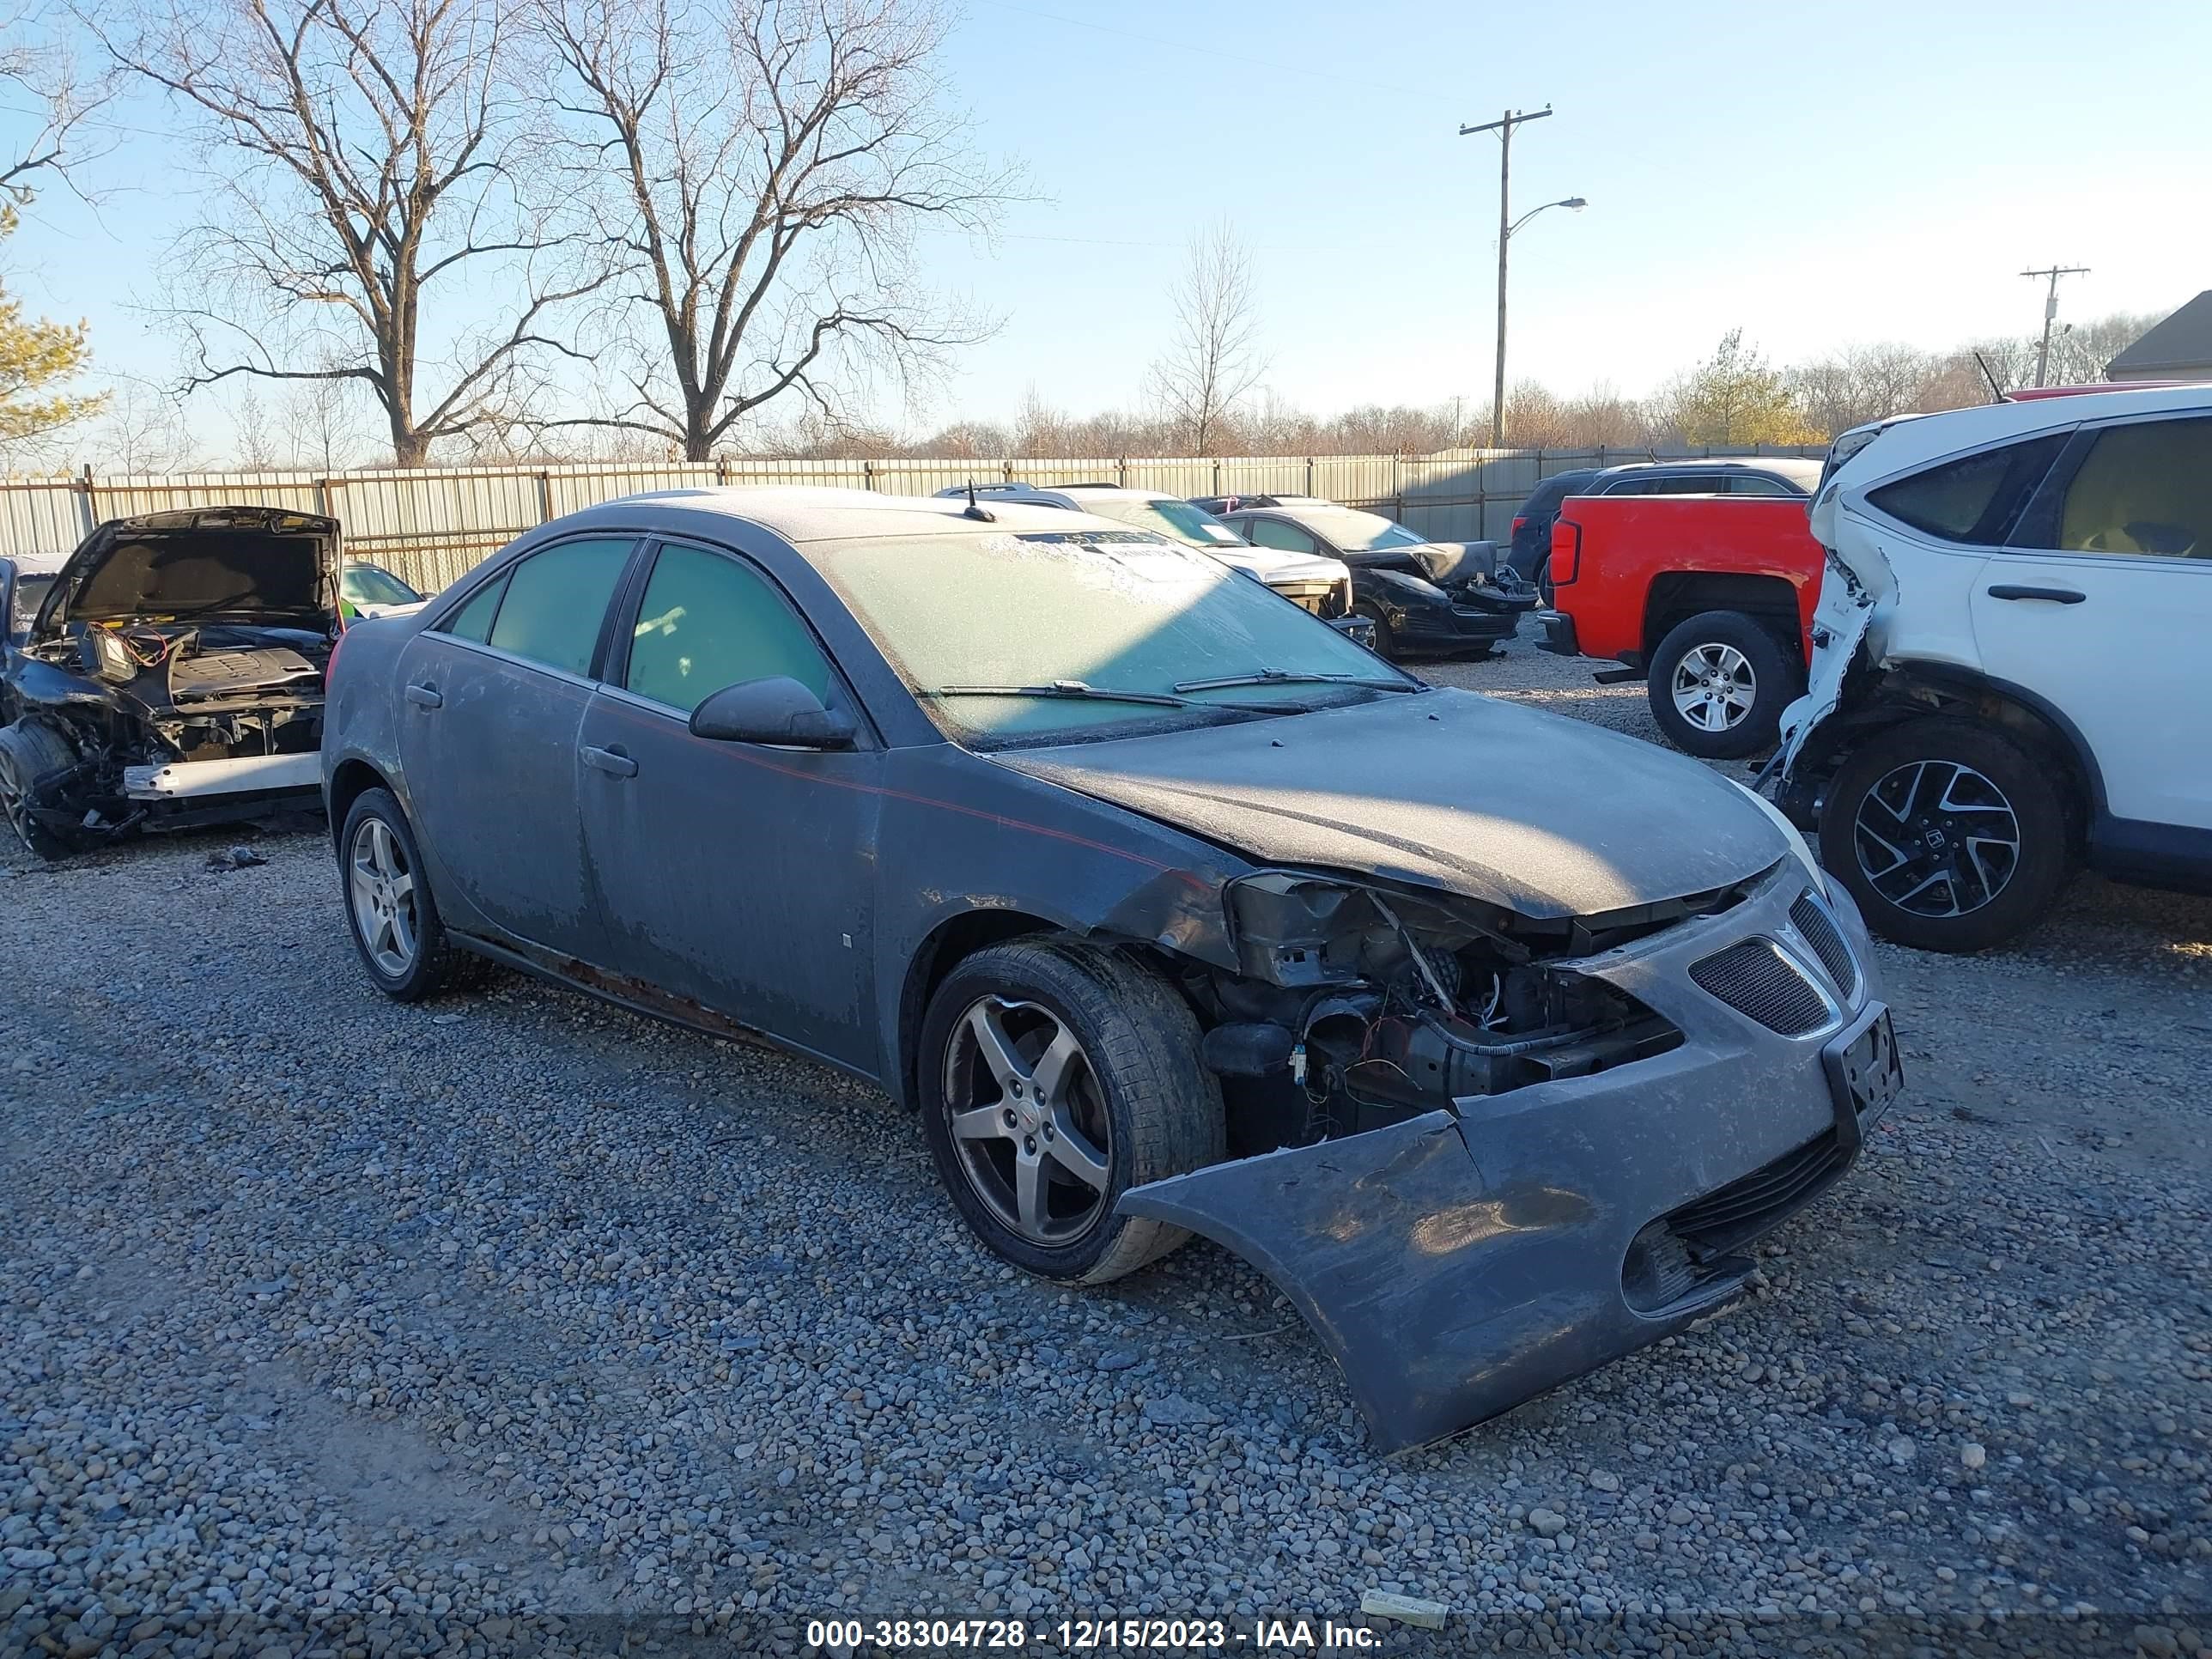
1718,683
1054,1076
1949,835
32,753
390,910
1386,642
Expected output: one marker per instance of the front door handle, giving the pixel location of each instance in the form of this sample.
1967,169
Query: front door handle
426,696
2055,595
612,762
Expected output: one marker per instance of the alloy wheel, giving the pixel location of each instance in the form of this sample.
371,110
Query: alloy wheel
1028,1119
1714,687
382,890
1936,838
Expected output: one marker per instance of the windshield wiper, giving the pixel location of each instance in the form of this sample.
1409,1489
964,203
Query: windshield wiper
1082,691
1078,689
1292,676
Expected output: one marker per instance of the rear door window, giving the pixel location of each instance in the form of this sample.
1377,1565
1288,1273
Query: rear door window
1751,483
1975,499
473,620
556,601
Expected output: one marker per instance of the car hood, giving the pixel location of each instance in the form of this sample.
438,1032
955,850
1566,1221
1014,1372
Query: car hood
1546,816
1445,564
1273,565
231,563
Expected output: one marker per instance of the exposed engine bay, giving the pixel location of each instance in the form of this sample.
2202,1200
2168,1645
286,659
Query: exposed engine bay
174,673
1359,1007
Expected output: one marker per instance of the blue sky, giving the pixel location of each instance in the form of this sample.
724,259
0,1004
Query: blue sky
1818,176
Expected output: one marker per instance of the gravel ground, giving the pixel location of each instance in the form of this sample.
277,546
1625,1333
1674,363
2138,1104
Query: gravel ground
517,1323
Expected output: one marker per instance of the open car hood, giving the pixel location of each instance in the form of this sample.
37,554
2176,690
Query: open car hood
1546,816
256,564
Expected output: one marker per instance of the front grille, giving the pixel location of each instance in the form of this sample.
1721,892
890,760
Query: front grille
1819,927
1731,1215
1755,979
1319,598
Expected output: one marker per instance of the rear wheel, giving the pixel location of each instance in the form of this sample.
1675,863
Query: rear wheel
1949,835
32,755
390,910
1056,1077
1718,683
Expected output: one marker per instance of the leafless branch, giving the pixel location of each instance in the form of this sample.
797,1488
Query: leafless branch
761,166
361,151
66,100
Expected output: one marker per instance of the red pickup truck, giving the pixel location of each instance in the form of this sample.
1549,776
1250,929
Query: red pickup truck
1707,598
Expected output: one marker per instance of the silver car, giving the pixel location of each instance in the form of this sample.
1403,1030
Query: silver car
1312,581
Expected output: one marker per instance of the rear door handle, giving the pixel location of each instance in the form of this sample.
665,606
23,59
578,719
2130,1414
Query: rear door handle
426,696
2055,595
612,762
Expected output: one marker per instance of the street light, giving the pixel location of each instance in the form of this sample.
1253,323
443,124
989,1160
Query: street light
1574,202
1498,403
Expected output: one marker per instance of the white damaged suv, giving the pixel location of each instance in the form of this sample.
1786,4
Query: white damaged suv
2012,664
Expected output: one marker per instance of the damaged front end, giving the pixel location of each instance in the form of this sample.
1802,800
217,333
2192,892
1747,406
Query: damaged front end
1483,1153
174,675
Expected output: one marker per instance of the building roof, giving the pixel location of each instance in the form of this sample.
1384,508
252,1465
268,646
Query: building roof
2183,341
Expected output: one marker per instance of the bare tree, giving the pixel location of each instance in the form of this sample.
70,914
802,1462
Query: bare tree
253,446
763,167
324,423
141,432
370,214
1215,358
64,102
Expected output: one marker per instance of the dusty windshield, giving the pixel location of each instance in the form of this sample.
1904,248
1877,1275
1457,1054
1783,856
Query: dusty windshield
1010,637
1360,532
1192,525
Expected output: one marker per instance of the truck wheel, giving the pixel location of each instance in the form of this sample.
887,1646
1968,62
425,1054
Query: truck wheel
1718,683
31,754
1949,835
1054,1076
1386,644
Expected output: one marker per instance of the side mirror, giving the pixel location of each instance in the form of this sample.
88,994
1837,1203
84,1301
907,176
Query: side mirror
776,710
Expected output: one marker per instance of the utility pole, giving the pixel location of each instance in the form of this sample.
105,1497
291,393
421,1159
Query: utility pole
2051,313
1504,128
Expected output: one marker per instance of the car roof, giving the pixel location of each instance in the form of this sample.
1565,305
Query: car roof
1084,492
811,512
1907,440
1784,466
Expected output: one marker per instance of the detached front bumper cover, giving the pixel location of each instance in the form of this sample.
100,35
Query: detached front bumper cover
1458,1263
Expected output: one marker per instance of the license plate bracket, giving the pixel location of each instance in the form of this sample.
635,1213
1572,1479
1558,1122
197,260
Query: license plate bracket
1865,1074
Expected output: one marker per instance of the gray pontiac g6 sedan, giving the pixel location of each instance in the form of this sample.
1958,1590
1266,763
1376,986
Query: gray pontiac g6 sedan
1491,1038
